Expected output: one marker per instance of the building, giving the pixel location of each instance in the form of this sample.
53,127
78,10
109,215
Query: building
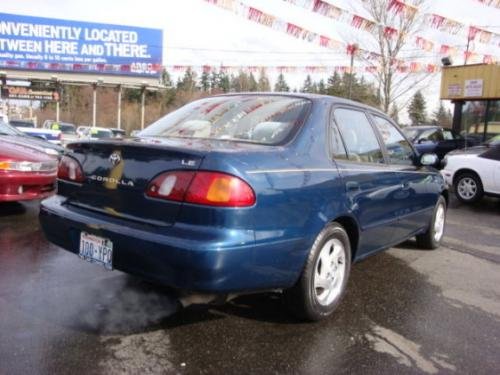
475,92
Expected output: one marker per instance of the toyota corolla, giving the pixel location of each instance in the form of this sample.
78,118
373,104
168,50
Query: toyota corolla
244,193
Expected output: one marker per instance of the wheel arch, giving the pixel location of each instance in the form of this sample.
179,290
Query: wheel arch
351,227
461,171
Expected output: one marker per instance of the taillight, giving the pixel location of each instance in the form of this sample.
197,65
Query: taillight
204,187
70,170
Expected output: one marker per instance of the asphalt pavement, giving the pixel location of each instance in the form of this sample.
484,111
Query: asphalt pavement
406,311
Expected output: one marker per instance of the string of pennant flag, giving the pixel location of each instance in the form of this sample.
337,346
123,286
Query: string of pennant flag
413,67
258,16
491,3
435,21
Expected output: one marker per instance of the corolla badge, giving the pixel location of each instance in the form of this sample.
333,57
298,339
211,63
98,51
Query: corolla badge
115,158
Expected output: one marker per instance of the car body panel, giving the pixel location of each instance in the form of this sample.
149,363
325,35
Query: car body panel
299,190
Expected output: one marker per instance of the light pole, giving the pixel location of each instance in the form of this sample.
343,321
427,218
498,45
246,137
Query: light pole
352,49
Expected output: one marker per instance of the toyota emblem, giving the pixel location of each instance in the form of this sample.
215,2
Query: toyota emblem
115,158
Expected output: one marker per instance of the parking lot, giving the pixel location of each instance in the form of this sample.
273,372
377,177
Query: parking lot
406,311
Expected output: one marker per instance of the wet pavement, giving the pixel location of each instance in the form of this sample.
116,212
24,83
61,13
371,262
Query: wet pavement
405,311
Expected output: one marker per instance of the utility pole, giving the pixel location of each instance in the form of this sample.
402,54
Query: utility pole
352,49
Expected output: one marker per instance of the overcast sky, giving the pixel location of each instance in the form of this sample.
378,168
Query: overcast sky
197,24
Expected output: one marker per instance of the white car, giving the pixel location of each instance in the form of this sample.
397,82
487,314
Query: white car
474,172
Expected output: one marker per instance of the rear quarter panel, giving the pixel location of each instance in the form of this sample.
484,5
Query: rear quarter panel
298,191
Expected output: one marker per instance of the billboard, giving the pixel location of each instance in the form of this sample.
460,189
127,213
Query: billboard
46,44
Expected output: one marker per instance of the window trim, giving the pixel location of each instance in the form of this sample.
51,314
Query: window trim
333,120
372,116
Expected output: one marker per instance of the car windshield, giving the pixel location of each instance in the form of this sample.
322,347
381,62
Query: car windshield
6,129
67,128
100,133
25,124
263,119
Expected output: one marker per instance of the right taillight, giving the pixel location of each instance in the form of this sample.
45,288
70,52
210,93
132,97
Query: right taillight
70,170
203,187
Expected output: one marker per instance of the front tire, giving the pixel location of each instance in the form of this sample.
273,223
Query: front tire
322,284
468,187
432,238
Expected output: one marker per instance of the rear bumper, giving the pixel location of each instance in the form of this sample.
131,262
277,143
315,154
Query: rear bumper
22,186
185,257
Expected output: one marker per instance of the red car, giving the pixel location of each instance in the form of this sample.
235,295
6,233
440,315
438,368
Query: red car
25,172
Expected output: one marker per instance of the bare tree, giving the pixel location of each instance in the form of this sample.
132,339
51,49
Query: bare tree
393,30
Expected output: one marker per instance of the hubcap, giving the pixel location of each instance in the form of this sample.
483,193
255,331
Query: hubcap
439,223
467,188
329,272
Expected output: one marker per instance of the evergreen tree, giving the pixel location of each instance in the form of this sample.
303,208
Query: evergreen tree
205,81
252,83
214,80
321,87
263,82
442,117
281,85
224,83
416,109
188,82
335,86
166,80
308,85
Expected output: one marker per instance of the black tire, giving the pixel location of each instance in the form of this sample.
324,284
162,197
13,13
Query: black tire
429,240
302,298
476,186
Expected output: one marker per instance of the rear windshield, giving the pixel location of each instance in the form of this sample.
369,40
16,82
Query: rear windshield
257,119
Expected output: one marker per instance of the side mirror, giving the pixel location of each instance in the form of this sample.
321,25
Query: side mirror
429,159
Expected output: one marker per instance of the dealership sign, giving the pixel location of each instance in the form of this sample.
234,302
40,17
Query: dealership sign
45,44
28,93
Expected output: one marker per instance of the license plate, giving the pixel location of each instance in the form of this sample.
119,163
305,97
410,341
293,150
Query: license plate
96,249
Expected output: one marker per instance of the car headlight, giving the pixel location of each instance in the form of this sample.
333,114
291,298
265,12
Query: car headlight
28,166
51,152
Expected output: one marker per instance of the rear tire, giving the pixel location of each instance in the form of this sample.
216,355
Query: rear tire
322,284
431,239
468,187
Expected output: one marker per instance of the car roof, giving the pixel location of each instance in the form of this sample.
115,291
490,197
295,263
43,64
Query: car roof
312,97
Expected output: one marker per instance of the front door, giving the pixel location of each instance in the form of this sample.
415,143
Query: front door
368,180
416,196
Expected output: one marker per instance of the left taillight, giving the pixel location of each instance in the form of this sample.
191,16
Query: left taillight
202,187
70,170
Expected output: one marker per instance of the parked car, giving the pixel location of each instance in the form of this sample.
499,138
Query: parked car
16,135
28,127
82,131
435,139
68,130
97,132
25,172
475,172
249,192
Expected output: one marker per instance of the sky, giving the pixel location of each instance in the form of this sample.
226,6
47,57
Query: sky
198,33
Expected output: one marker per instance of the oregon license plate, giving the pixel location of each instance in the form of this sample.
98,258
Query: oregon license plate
96,249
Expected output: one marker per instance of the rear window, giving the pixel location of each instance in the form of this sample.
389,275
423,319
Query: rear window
257,119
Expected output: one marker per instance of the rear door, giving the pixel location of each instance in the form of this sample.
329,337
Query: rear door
416,194
367,178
